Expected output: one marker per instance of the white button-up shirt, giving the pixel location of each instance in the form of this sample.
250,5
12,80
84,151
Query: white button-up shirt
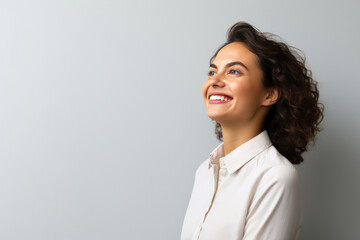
252,193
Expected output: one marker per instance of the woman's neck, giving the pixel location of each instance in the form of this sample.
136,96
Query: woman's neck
234,136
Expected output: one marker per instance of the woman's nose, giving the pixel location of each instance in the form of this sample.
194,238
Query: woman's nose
217,81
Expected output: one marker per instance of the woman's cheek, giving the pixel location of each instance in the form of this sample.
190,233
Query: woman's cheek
205,88
241,89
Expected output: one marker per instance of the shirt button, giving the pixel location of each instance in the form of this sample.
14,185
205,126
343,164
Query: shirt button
223,173
222,162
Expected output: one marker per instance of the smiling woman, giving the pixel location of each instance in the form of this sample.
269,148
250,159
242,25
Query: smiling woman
265,104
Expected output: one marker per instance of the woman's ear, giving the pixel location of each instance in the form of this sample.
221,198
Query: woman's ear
272,96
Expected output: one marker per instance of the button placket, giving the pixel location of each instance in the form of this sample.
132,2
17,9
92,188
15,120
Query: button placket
216,167
212,198
223,170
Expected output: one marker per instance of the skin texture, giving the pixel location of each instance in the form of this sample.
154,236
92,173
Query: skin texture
241,118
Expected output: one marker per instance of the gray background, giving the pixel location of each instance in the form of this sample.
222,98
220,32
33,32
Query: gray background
103,125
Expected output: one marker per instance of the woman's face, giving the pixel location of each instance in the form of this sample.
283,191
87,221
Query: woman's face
234,91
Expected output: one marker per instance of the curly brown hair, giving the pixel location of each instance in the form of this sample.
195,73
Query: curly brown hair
293,121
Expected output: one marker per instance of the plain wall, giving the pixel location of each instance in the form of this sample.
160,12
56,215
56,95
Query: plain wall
103,125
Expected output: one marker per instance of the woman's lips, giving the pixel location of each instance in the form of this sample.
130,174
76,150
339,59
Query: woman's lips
217,101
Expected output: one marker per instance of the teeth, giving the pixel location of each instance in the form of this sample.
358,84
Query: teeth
218,97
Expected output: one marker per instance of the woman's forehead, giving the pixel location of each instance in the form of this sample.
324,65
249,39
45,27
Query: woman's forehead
235,51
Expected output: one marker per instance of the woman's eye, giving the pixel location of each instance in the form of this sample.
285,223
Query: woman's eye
212,73
232,71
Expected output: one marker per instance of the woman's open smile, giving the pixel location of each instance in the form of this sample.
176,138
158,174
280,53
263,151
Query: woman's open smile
218,98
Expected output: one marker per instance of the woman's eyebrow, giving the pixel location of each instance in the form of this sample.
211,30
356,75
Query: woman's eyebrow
230,64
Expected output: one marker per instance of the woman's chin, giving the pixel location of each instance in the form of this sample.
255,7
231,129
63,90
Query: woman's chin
216,116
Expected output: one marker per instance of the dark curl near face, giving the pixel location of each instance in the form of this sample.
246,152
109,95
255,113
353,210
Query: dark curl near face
293,122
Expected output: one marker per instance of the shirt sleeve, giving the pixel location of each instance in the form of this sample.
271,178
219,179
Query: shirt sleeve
275,212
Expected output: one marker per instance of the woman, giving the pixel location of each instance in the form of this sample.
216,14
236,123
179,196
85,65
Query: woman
265,104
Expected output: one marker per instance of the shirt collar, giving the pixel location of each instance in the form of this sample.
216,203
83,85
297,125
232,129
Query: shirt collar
242,154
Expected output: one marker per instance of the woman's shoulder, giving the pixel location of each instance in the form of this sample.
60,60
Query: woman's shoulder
273,165
203,167
271,157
